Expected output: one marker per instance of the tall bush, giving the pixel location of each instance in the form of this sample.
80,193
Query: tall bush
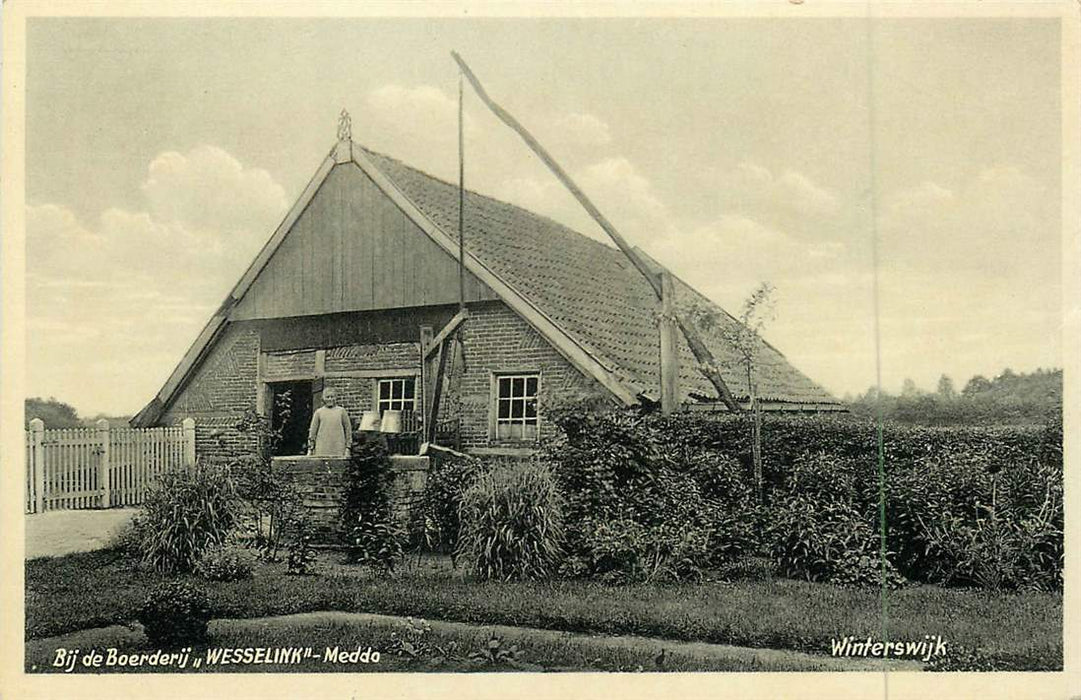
436,521
185,513
512,523
372,536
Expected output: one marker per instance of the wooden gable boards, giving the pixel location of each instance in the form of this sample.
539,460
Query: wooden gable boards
482,283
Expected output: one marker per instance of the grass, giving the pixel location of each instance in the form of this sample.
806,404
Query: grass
444,647
68,593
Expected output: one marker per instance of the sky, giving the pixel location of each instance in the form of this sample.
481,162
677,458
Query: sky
162,153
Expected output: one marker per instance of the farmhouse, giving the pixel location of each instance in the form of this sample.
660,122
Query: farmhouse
360,289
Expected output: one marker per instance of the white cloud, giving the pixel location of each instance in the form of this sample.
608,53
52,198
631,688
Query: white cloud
132,286
423,105
208,188
582,129
760,191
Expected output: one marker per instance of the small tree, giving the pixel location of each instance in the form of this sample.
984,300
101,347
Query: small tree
746,337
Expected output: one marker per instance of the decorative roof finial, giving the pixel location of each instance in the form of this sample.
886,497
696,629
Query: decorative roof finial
345,126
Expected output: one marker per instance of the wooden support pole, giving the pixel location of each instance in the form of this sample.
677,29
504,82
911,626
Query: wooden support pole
437,391
669,347
706,362
37,462
104,480
188,425
426,334
445,331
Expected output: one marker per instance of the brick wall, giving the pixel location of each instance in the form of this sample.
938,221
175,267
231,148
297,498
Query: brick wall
390,355
321,482
497,340
356,393
223,387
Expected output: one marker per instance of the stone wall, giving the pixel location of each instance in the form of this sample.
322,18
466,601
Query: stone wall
321,482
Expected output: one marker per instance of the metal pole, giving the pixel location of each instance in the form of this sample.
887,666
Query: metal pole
461,196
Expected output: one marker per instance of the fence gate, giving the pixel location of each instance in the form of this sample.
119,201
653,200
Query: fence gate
76,468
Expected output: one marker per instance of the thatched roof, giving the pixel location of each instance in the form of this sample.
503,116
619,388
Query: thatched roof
592,291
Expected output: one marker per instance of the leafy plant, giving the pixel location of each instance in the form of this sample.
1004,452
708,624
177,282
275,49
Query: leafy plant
372,536
623,551
437,520
512,523
187,512
496,653
273,513
224,563
820,476
301,557
175,614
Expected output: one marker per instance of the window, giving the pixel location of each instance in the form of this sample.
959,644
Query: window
516,407
397,394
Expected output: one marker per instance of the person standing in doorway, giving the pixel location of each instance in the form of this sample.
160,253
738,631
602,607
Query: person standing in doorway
330,432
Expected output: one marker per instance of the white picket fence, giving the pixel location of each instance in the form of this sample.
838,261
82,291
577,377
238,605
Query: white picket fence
77,468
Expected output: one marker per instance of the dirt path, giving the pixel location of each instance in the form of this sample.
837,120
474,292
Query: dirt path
60,532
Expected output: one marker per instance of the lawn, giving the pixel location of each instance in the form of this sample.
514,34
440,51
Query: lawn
441,647
98,589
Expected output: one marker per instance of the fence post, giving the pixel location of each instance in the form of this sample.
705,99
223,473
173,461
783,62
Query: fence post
37,463
103,467
189,442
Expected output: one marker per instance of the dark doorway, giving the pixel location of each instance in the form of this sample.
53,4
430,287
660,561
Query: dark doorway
291,413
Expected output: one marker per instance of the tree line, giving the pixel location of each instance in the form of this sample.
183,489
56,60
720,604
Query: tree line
1009,398
57,414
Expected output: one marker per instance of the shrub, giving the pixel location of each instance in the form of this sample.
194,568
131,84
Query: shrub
623,551
371,535
224,564
512,523
187,512
175,614
271,506
301,557
995,552
821,476
827,542
437,520
650,507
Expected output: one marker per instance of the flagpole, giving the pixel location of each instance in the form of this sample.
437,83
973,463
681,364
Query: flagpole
461,198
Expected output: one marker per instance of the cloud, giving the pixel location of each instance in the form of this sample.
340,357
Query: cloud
106,297
996,223
58,245
758,190
207,188
422,105
582,129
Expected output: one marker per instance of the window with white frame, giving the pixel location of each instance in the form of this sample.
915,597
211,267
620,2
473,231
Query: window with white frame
398,394
516,406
